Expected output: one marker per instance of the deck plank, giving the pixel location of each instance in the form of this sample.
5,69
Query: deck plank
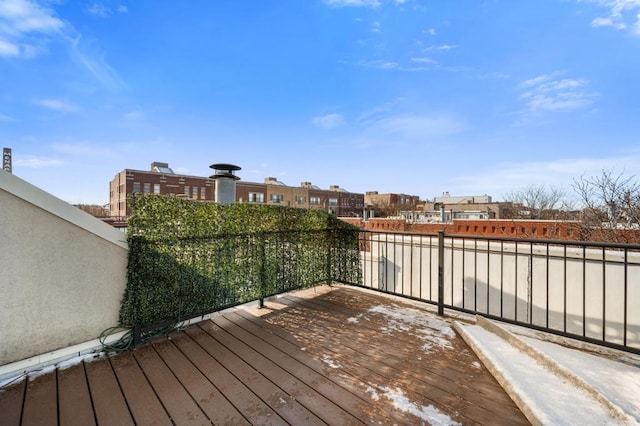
108,402
210,400
74,399
144,404
246,402
284,404
11,399
41,401
176,400
326,399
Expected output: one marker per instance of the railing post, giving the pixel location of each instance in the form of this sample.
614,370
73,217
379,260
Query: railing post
328,266
263,272
441,273
137,335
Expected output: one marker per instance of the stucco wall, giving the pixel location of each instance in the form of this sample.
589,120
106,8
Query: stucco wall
62,272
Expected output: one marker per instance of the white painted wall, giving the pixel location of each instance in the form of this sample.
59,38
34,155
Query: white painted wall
62,272
409,266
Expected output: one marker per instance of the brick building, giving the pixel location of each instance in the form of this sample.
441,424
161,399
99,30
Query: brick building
464,207
390,204
162,180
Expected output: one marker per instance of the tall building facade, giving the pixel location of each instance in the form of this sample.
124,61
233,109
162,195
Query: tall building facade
161,180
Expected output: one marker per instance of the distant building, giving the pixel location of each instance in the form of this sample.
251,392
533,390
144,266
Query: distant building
390,204
445,216
161,179
446,198
447,208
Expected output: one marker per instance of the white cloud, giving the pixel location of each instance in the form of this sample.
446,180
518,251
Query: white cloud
424,60
431,31
636,26
328,121
547,93
623,14
413,126
23,16
57,105
361,3
9,49
354,3
21,24
508,177
99,9
32,162
607,22
82,149
134,115
104,11
26,28
85,54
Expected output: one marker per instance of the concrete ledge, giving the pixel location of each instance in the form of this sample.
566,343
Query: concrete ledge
541,359
25,366
496,372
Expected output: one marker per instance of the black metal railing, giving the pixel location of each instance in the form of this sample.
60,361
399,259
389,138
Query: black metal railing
584,290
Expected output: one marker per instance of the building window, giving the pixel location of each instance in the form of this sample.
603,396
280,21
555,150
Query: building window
301,199
147,188
276,198
136,187
256,197
333,201
194,192
156,188
314,200
203,193
187,190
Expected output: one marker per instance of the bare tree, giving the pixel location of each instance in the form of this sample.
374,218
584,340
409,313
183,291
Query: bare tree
611,203
539,202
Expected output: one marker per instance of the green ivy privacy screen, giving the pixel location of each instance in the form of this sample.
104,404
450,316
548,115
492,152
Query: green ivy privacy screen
189,258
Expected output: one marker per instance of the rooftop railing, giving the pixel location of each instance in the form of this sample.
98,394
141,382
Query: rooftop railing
584,290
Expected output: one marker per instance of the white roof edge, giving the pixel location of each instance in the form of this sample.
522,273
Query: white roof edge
42,199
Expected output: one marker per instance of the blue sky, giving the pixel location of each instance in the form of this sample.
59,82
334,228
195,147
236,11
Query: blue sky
419,97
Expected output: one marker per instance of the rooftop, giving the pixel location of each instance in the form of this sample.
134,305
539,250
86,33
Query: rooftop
319,356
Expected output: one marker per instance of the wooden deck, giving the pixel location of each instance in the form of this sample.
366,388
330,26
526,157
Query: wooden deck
321,356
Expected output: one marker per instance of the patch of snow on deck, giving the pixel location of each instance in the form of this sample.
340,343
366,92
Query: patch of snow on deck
374,394
429,413
432,331
331,363
77,360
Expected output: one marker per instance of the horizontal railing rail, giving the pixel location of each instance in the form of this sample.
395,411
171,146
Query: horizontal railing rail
584,290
